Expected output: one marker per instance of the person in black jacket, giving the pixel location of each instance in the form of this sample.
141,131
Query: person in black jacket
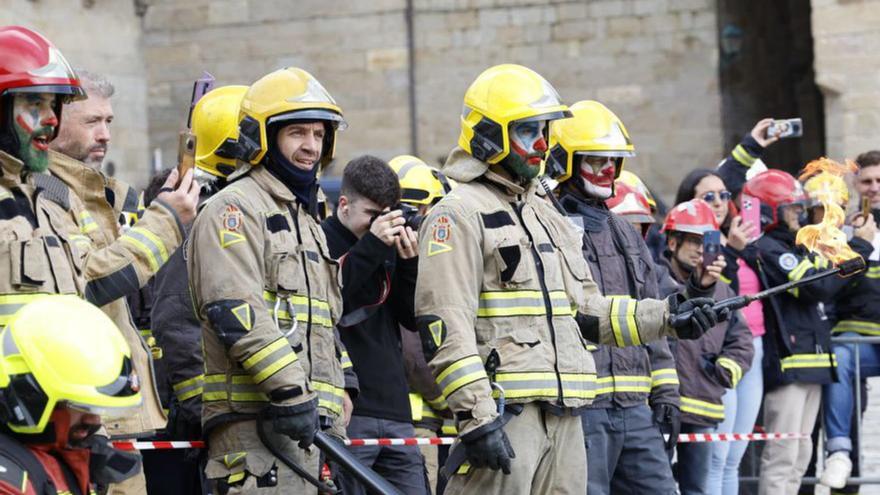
797,346
377,252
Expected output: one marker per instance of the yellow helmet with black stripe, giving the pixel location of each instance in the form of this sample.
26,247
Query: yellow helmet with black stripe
500,96
215,125
286,96
419,183
61,349
593,130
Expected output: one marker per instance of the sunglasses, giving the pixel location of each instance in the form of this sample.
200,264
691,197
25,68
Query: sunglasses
710,196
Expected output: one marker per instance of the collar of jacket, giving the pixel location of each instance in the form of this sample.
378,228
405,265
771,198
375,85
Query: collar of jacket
341,230
12,169
595,215
89,184
783,235
271,184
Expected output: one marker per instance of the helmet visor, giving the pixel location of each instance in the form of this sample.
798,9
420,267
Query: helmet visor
312,114
68,92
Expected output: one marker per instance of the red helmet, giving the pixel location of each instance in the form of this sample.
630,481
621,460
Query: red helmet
630,203
29,63
694,217
775,189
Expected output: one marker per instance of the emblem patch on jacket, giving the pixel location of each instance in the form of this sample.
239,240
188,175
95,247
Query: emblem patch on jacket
441,232
788,261
232,218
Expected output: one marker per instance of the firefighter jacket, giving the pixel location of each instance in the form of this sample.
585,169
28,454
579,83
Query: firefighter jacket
117,264
178,333
501,282
621,265
714,362
427,405
42,465
40,254
797,345
266,290
857,308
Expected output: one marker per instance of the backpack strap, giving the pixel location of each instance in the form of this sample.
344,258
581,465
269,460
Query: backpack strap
20,465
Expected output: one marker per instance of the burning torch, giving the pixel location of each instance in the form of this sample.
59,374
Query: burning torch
825,239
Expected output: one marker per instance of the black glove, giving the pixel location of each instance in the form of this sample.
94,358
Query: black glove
668,418
108,465
488,446
702,319
299,422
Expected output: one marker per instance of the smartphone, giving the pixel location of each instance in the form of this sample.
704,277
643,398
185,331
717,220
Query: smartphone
711,247
186,154
866,207
751,212
786,128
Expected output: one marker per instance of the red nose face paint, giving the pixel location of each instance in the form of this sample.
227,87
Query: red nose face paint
605,177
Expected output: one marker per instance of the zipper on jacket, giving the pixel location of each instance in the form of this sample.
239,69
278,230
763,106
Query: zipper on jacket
548,306
302,255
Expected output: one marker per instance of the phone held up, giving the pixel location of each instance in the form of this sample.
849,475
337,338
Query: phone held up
711,247
786,128
751,212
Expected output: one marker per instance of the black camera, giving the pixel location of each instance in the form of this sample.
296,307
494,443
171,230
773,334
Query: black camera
411,215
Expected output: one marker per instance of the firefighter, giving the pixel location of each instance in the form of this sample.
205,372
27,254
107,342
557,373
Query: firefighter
637,394
797,345
632,205
714,362
505,299
272,363
420,185
62,364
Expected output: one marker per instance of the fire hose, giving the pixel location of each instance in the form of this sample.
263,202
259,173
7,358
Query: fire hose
847,268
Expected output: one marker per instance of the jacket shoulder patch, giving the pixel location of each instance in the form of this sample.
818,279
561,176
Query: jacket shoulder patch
229,238
788,261
496,220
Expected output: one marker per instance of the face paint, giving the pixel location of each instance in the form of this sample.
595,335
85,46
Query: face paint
597,173
34,122
528,147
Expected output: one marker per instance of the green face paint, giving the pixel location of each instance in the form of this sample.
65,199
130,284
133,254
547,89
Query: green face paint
34,121
527,149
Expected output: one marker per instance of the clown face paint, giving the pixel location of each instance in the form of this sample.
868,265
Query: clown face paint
528,146
34,122
597,173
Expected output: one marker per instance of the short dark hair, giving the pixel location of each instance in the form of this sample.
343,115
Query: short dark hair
370,177
868,159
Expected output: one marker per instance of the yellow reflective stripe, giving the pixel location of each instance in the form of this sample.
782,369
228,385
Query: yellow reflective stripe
11,303
187,389
236,477
265,351
544,385
24,480
858,326
86,222
664,376
733,368
268,360
623,384
742,156
873,272
320,309
623,321
449,427
438,404
461,373
416,406
345,360
522,303
329,396
275,366
81,241
242,388
800,270
148,244
702,408
809,361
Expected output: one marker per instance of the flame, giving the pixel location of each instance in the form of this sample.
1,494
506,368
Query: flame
825,238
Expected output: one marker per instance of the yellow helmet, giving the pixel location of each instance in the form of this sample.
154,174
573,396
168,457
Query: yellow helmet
419,183
62,349
215,125
594,130
286,95
500,96
636,183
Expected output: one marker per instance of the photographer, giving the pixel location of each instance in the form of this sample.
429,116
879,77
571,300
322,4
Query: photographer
377,252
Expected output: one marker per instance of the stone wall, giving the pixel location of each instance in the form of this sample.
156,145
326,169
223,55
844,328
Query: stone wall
103,36
651,61
847,49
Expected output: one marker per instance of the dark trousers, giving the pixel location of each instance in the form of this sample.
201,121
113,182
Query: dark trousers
694,461
402,466
625,452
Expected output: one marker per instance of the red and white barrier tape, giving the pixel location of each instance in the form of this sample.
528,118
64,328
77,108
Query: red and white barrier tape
389,442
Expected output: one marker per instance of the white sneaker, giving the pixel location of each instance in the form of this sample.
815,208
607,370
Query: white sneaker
838,467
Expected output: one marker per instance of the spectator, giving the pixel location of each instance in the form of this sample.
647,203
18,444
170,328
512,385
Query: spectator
798,357
378,257
714,362
857,313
